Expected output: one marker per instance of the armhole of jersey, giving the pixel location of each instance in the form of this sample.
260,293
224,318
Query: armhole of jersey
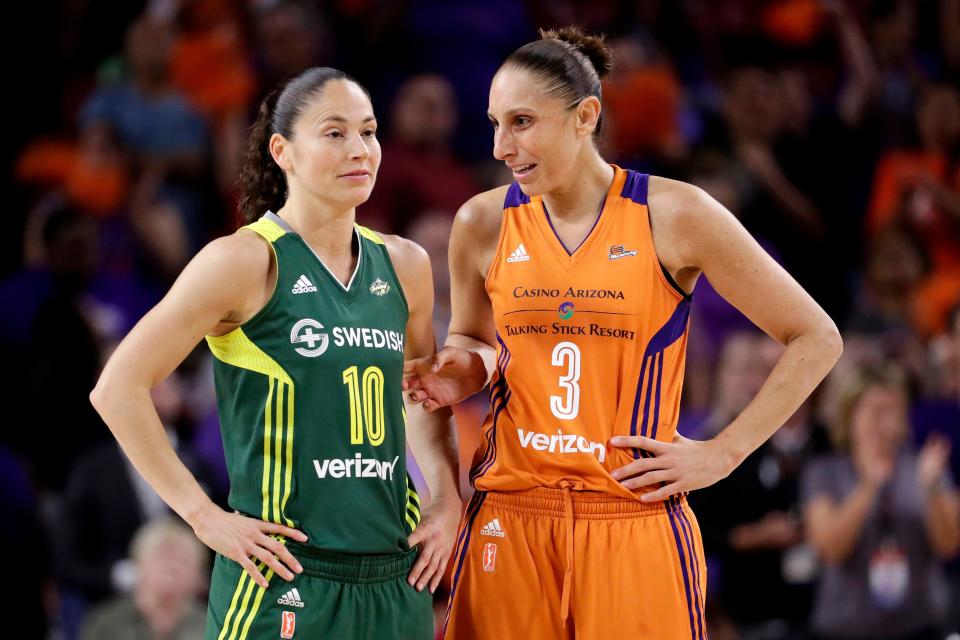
373,237
502,233
269,236
638,191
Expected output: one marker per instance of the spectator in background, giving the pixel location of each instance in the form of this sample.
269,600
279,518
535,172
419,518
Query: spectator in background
881,517
171,568
750,521
420,171
919,188
168,141
292,36
105,502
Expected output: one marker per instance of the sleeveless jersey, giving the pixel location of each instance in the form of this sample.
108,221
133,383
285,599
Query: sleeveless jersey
591,344
310,403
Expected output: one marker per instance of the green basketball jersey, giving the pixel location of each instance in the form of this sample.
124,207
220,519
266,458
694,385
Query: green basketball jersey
311,409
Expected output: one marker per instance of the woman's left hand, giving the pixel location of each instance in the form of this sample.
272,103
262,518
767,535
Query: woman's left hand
681,465
437,532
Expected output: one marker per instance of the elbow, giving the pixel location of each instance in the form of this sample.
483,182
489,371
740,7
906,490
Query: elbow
98,396
832,344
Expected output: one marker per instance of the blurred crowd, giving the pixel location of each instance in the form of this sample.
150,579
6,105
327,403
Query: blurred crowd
830,128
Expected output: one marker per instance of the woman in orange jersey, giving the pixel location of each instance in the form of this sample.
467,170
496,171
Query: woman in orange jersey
571,286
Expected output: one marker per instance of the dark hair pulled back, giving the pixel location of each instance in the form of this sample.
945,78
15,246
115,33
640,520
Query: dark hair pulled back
261,181
570,62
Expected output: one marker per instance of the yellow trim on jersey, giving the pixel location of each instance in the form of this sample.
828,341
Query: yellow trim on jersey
245,579
269,229
236,349
412,510
369,234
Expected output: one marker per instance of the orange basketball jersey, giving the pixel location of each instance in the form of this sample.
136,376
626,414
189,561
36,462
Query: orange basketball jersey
591,344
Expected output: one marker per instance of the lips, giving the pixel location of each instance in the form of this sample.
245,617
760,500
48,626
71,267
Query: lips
522,170
359,173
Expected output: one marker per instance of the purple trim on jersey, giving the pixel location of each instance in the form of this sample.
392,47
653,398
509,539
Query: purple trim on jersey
683,565
672,330
595,222
636,404
504,393
687,529
475,503
635,187
656,402
515,197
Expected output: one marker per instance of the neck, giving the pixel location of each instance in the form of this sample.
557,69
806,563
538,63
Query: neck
323,225
580,197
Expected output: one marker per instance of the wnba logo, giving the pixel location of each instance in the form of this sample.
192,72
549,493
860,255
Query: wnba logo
288,624
565,310
489,556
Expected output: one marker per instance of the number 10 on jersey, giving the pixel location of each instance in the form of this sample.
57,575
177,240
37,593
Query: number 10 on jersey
366,404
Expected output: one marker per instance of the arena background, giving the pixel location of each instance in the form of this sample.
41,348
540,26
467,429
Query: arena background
831,129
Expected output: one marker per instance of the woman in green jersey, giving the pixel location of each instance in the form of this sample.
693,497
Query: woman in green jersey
309,317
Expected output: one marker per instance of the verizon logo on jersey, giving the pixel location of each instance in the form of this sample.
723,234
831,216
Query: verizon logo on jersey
356,467
561,442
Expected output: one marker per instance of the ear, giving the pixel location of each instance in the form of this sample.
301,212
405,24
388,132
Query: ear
588,114
280,152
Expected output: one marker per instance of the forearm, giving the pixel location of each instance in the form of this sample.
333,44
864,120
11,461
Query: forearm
803,365
942,515
433,440
486,353
129,413
835,537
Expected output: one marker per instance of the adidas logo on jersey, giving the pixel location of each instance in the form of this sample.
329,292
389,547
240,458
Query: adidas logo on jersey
519,255
492,528
291,599
303,286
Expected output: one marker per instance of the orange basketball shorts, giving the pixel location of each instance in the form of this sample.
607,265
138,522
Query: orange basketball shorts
554,563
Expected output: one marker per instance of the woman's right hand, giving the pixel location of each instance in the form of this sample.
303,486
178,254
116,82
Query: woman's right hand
241,538
445,378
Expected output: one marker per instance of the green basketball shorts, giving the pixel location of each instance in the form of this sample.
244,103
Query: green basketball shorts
336,596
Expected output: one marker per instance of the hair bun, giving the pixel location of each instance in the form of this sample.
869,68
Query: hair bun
593,47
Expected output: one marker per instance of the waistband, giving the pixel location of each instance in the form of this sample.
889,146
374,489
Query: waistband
357,569
586,505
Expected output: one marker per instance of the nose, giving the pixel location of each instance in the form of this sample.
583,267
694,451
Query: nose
357,147
503,144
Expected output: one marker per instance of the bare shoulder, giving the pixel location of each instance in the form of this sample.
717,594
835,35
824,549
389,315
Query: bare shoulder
682,216
408,257
229,271
480,216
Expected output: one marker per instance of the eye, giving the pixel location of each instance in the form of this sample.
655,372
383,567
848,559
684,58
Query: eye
370,133
523,121
335,134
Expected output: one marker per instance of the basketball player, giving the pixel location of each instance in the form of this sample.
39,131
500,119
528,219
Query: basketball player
309,317
580,275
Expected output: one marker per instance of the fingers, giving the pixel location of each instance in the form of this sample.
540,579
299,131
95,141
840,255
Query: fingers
252,571
647,479
662,493
411,383
280,530
416,366
280,550
415,577
640,442
417,536
637,467
267,558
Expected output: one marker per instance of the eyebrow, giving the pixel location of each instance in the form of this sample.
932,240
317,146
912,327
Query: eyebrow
511,112
343,120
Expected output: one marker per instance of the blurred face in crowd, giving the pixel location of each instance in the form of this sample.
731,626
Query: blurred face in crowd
148,47
290,39
169,571
334,153
425,112
538,136
938,118
880,418
753,104
745,362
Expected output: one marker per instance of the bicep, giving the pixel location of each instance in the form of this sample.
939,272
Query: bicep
208,290
416,278
471,309
747,277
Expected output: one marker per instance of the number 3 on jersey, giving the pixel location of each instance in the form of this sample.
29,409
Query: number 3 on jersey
366,408
567,354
